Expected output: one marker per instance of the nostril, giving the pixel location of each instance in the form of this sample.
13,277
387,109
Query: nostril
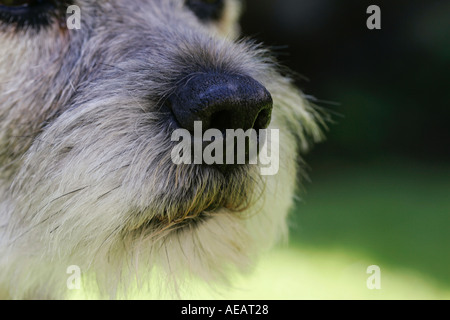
221,120
226,119
263,119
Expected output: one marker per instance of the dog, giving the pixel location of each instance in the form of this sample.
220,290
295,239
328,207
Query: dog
87,117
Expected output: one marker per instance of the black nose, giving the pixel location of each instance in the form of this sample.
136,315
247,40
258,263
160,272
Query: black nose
222,102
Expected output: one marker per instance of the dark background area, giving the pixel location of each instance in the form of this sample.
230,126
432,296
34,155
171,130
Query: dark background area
392,86
381,182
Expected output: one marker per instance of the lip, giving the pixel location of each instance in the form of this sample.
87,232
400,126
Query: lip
159,227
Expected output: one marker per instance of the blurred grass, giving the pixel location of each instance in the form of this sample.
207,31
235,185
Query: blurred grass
311,274
396,211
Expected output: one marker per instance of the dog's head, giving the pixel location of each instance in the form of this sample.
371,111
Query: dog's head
87,121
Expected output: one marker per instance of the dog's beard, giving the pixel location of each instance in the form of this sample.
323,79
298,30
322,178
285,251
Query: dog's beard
195,193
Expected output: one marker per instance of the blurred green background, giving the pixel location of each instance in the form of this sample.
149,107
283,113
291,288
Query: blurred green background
380,185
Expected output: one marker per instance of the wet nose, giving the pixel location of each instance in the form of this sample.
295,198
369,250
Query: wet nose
222,101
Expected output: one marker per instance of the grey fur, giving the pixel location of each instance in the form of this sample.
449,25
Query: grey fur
86,173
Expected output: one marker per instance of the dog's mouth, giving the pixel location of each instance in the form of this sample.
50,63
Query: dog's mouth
186,206
162,225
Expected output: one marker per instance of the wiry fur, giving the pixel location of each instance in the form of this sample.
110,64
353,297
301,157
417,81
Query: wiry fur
86,173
